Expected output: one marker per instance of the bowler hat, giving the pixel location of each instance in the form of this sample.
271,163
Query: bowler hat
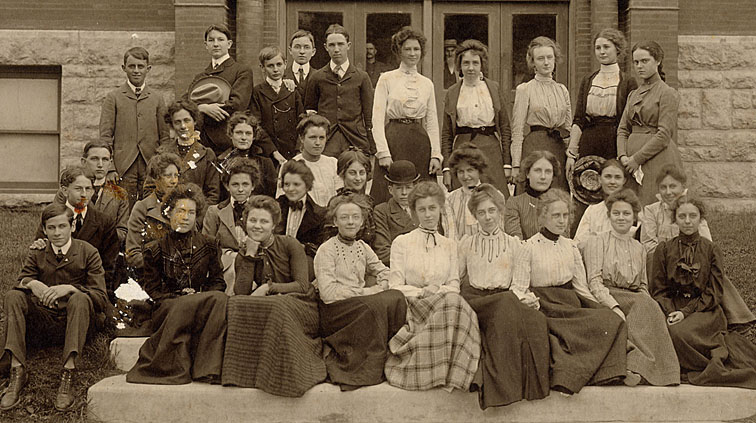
210,89
586,179
402,172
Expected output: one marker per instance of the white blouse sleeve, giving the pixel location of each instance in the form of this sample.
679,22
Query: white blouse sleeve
521,273
380,104
431,124
452,282
331,289
579,281
519,115
397,274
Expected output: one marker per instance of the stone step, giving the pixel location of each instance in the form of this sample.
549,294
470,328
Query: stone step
125,352
114,400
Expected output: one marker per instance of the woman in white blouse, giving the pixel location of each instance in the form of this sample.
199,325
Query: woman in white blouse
440,344
587,339
475,111
543,105
355,320
405,122
514,337
616,270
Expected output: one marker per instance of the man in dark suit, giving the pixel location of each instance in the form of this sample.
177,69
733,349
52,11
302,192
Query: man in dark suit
373,66
451,74
218,42
90,224
301,49
132,123
60,289
393,218
344,95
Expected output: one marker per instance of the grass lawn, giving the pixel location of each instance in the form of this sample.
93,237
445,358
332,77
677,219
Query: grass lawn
735,234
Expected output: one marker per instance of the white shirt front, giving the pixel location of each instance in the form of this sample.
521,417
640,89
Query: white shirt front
134,87
83,215
344,67
64,249
294,219
305,70
276,85
217,62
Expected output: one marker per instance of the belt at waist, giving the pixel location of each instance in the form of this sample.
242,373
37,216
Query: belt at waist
555,133
601,120
483,130
637,129
405,121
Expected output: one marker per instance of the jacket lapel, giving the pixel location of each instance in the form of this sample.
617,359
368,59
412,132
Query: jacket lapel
348,74
493,89
399,216
268,91
226,215
451,106
126,90
90,225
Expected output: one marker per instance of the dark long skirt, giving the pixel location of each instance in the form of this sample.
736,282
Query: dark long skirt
187,343
650,352
541,140
273,344
588,340
356,332
712,356
514,358
599,139
405,142
491,147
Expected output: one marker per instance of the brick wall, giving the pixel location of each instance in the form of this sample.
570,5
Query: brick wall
656,20
110,15
720,17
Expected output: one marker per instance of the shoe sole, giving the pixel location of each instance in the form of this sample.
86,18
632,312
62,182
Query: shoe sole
15,404
64,409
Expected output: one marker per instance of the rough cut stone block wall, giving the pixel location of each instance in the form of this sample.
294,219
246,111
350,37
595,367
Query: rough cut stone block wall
91,67
717,118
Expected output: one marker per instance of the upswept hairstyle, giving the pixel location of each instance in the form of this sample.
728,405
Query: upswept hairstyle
96,144
242,165
139,53
337,29
311,119
302,33
360,200
543,42
485,192
262,202
670,169
298,167
689,199
270,52
553,195
159,162
613,163
426,189
242,116
187,191
70,174
617,38
625,195
56,209
404,34
350,156
182,104
475,47
217,27
533,157
468,153
654,49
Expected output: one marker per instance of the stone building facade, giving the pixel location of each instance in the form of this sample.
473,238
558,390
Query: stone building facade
710,58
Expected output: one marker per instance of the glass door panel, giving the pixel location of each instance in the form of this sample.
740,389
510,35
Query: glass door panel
316,17
377,22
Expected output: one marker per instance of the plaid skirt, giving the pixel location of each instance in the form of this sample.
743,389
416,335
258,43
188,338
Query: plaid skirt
650,352
273,344
439,346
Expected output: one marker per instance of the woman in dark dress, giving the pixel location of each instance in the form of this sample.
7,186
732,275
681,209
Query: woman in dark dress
272,342
687,284
514,361
356,321
183,276
588,340
520,217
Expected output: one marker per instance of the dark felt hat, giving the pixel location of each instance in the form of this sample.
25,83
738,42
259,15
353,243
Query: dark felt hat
586,180
402,172
450,43
210,89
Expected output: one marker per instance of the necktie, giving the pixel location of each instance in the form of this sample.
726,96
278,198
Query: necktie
59,256
337,71
96,194
430,236
300,75
79,223
137,91
238,211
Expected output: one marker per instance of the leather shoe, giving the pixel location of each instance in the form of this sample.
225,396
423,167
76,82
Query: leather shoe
16,384
65,398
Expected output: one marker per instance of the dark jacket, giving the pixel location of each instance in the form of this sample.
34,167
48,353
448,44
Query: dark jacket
146,224
279,115
113,202
310,232
301,86
164,274
268,175
346,103
240,77
99,231
133,126
202,172
81,268
390,222
626,85
501,120
219,224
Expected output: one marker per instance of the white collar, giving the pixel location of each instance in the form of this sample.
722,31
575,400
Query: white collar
134,87
344,66
468,190
276,85
64,249
83,212
99,182
217,62
411,70
233,201
540,78
613,68
305,68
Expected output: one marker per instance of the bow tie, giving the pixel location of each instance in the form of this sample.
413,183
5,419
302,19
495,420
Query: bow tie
295,205
430,236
